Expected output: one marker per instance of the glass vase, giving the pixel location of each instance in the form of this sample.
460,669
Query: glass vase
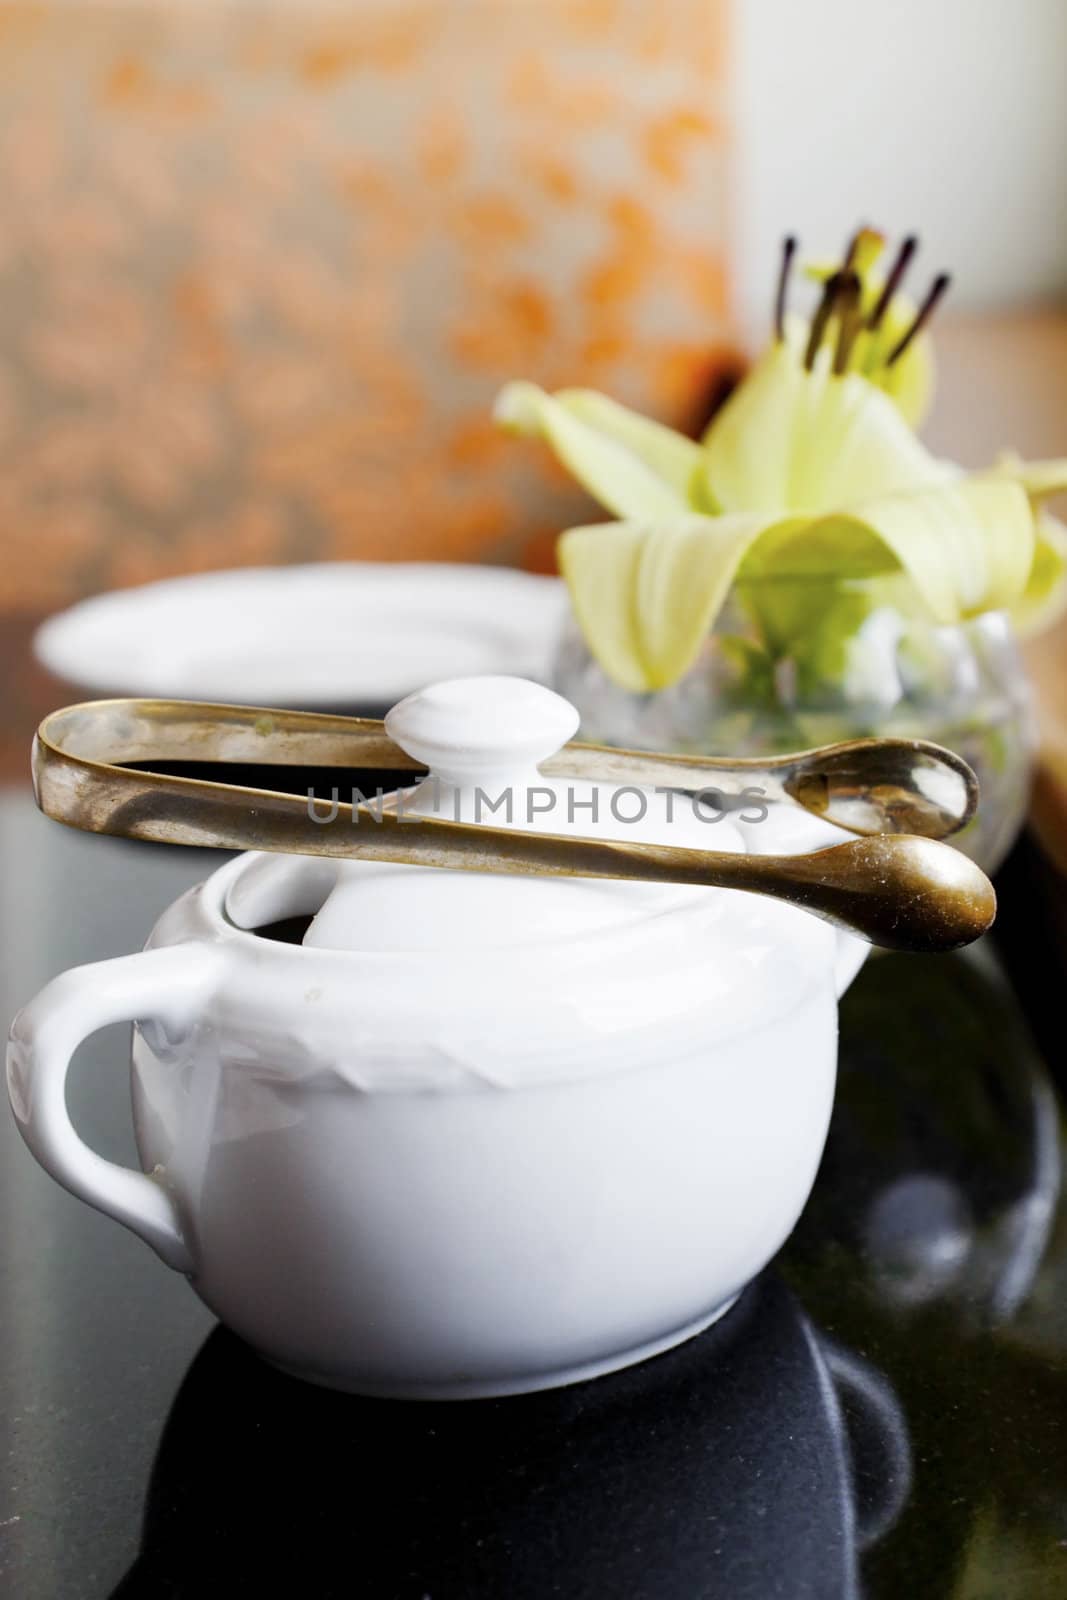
793,663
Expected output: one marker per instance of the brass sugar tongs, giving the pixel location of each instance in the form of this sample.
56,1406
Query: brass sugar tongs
895,885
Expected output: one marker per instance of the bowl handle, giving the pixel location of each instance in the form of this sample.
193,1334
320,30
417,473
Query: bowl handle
168,985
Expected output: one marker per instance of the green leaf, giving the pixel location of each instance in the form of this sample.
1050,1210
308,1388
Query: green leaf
627,480
812,623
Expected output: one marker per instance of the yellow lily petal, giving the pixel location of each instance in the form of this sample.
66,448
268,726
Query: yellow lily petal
633,467
1040,479
601,566
1045,597
967,547
810,441
909,382
647,594
670,455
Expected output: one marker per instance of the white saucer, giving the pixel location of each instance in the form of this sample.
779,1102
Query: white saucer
332,634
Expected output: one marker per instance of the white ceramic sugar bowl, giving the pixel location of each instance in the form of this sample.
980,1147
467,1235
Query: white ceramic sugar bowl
475,1135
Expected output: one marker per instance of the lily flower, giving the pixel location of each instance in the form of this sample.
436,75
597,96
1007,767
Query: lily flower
811,470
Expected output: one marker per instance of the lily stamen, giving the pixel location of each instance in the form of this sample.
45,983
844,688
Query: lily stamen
937,289
825,310
853,246
893,282
851,320
789,247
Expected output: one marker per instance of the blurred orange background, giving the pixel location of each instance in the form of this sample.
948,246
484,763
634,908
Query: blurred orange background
263,270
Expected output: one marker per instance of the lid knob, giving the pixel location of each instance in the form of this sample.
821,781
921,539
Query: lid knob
470,728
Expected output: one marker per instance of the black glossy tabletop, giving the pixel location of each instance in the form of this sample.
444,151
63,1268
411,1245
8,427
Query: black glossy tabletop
884,1413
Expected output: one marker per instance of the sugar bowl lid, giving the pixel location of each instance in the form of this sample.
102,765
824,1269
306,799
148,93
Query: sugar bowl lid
483,740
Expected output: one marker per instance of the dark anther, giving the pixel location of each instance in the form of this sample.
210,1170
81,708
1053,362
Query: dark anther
789,248
923,315
892,283
851,320
824,311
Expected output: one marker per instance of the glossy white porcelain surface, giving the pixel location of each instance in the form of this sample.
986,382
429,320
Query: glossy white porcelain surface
331,633
482,739
470,1151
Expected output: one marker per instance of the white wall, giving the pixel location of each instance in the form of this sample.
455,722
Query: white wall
947,117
